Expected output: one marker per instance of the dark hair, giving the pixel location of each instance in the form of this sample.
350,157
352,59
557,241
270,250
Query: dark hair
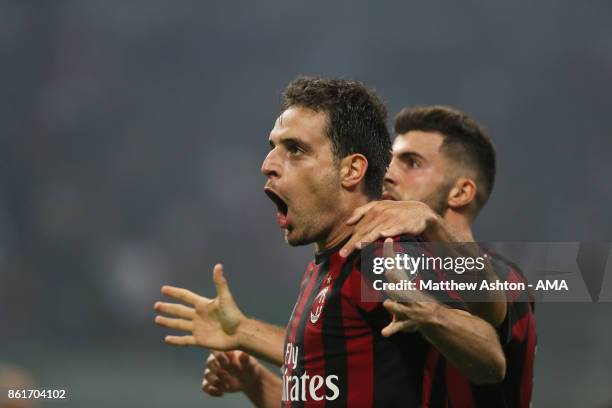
464,141
356,121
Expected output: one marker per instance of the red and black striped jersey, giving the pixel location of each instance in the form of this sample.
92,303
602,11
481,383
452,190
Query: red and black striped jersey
335,355
518,339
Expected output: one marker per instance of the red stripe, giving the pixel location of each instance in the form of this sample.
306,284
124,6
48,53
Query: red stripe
431,361
520,328
359,347
311,273
459,389
314,352
364,295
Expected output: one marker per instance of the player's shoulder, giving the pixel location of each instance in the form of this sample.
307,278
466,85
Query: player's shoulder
503,266
375,249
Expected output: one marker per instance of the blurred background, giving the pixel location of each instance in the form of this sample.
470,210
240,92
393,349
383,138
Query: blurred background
132,134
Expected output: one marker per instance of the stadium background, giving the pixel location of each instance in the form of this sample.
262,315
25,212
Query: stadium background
132,135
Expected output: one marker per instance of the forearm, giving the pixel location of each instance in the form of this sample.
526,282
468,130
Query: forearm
468,342
262,340
266,391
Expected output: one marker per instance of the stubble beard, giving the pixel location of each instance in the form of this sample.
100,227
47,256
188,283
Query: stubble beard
438,199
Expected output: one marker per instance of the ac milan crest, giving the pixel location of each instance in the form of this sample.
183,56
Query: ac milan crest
317,305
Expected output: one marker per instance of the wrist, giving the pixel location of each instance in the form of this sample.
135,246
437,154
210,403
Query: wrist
258,390
254,384
244,333
432,319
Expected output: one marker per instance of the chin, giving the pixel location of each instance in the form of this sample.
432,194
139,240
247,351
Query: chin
293,238
295,242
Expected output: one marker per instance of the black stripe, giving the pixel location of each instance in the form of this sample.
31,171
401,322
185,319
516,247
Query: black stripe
334,339
516,355
301,327
486,396
309,271
398,361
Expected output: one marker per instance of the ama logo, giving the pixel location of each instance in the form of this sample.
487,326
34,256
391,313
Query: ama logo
319,303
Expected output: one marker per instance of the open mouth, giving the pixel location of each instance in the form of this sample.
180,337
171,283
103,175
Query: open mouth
281,207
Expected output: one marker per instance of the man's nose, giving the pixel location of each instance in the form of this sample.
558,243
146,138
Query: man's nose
390,175
269,167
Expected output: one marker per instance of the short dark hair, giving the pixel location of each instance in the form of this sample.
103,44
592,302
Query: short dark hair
356,121
465,141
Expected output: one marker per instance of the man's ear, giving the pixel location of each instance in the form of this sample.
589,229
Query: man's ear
352,170
463,193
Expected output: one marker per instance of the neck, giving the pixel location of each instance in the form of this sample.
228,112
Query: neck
339,230
335,237
459,225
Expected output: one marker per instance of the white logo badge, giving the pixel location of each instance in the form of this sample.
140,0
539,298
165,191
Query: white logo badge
317,306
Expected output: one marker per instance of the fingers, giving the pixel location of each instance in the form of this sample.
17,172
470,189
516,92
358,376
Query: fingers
349,247
393,307
211,390
230,361
393,230
396,327
354,243
211,377
220,369
176,324
180,340
184,295
380,230
404,323
244,359
358,236
212,384
175,309
393,274
359,212
389,329
249,365
369,232
220,282
371,236
213,363
214,379
222,358
388,249
356,240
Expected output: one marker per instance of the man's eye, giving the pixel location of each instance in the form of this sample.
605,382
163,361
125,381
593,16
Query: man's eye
412,163
295,150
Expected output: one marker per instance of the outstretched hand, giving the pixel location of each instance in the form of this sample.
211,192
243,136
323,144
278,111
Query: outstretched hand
209,323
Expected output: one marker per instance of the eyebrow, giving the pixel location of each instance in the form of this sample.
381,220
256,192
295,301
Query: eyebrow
290,141
409,154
